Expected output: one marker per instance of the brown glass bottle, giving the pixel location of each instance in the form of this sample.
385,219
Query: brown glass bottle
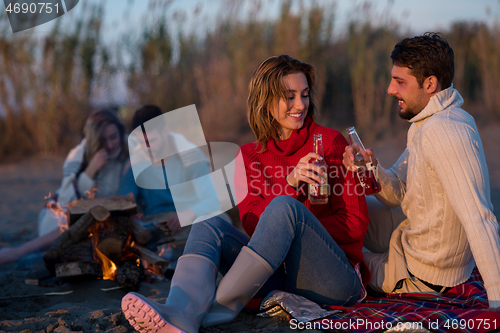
318,194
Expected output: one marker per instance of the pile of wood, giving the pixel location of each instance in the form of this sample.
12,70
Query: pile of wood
102,226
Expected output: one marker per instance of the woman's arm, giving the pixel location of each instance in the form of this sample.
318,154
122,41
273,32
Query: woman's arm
66,192
255,190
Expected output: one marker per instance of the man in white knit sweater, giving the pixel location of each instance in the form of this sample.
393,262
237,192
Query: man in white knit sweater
440,181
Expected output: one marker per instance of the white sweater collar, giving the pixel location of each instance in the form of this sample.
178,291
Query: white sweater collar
441,101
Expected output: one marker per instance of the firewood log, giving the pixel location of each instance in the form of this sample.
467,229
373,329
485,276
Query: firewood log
129,275
78,232
149,256
141,234
117,205
111,237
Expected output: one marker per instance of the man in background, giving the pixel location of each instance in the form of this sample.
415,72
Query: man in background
156,202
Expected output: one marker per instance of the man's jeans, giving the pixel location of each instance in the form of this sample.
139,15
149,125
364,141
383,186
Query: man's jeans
287,232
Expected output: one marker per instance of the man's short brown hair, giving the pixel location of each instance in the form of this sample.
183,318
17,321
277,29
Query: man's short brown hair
426,55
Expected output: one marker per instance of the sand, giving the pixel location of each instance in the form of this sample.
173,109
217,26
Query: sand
88,308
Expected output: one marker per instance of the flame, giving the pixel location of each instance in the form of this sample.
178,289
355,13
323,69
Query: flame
91,194
108,267
163,250
58,213
151,268
127,251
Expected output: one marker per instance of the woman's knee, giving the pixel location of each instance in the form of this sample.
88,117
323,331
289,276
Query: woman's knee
282,212
285,203
210,223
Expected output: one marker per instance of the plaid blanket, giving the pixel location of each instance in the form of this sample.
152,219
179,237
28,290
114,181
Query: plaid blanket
463,308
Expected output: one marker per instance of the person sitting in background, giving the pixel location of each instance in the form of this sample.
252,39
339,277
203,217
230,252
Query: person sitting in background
155,200
93,168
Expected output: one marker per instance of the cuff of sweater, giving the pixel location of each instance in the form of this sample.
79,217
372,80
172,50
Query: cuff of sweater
381,173
85,183
494,304
493,297
286,189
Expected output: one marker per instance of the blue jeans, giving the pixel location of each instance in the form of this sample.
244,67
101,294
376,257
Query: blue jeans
287,232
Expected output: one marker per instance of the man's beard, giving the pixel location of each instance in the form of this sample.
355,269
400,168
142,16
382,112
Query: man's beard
408,113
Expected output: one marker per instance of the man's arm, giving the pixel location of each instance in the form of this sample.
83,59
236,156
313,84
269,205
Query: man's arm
127,182
393,182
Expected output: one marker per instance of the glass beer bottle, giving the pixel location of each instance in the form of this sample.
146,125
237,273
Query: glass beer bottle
318,194
365,172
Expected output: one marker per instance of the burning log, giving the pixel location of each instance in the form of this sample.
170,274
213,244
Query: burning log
102,241
117,205
80,230
70,245
141,234
111,236
150,257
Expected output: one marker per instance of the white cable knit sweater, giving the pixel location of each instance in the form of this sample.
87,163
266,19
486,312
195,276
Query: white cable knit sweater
441,182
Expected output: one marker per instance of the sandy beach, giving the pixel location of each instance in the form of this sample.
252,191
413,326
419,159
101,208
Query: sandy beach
89,308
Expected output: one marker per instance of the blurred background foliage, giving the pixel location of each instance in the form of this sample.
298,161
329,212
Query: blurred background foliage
49,84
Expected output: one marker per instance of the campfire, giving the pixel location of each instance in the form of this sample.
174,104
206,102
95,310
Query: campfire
103,241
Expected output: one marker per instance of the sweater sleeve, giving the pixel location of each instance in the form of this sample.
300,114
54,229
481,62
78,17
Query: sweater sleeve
455,154
67,192
253,192
128,185
393,182
84,184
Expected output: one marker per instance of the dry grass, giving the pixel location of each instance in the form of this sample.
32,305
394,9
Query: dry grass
47,86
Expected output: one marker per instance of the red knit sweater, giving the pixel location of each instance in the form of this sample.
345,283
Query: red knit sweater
345,217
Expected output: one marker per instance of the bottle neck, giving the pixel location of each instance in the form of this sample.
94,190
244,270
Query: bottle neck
354,139
318,147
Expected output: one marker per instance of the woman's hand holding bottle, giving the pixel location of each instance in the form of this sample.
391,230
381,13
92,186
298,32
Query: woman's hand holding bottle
306,172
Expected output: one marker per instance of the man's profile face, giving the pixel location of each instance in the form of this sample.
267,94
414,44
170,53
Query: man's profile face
405,88
159,142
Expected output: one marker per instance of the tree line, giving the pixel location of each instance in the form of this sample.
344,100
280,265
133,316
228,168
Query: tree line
49,85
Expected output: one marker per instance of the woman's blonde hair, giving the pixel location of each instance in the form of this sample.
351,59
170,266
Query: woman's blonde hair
267,88
94,129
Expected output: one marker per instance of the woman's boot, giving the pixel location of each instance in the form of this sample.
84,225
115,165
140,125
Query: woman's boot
243,280
191,294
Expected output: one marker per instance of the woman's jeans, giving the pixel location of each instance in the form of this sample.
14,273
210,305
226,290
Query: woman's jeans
287,232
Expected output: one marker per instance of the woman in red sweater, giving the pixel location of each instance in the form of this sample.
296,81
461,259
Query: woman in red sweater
310,250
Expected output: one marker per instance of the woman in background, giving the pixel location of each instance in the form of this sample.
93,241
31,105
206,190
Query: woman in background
93,168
